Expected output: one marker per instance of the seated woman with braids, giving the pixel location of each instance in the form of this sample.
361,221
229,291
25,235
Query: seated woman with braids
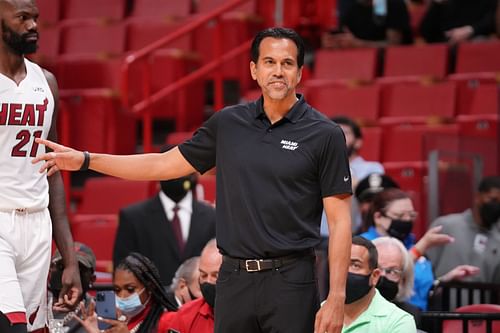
142,303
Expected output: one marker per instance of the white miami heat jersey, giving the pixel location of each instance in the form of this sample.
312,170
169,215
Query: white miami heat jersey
25,114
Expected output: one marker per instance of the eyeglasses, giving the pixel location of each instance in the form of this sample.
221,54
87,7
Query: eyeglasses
392,273
402,216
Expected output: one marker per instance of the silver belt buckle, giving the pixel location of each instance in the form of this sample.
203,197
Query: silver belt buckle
250,262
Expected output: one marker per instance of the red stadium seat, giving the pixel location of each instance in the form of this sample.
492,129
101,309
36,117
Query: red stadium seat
98,9
48,47
208,188
50,12
418,104
411,177
352,64
87,72
107,195
205,6
428,60
359,102
413,143
144,31
93,37
475,326
176,138
162,9
474,57
98,232
97,123
372,143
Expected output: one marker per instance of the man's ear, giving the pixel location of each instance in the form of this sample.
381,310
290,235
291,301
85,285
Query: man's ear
253,70
299,76
376,274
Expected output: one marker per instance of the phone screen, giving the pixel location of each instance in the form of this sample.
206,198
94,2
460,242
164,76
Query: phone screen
105,307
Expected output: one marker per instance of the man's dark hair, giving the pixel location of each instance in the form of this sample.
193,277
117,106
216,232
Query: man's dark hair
343,120
489,183
147,273
372,250
279,33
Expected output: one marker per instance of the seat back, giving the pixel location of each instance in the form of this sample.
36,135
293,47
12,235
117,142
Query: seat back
478,57
107,195
422,60
352,64
474,326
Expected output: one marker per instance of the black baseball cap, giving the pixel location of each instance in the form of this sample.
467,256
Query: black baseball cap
372,184
84,255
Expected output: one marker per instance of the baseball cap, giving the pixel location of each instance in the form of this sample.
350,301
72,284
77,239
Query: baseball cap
372,184
84,255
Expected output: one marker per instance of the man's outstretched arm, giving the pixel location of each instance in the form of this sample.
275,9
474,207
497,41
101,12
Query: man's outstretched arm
154,166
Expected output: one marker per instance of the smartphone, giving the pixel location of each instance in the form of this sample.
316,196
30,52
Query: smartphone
105,307
171,330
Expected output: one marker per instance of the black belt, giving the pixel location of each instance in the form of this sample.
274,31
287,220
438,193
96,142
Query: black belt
257,265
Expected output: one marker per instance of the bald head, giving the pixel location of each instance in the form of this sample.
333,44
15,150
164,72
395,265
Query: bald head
210,261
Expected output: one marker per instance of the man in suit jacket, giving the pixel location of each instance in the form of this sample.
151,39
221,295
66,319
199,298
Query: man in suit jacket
168,228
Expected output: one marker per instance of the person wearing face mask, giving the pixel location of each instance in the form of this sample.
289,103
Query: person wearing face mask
366,310
168,228
198,316
185,286
141,301
392,214
477,235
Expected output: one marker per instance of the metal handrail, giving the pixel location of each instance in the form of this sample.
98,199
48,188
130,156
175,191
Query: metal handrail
142,107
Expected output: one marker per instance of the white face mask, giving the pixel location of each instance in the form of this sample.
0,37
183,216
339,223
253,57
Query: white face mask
131,306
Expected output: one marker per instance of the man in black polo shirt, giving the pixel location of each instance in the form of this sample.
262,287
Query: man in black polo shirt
279,163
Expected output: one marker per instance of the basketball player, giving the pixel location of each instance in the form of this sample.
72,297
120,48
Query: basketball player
32,205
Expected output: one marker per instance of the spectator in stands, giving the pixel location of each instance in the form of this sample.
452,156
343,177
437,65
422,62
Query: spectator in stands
457,20
396,281
87,264
185,286
360,26
198,316
365,192
392,214
366,310
168,228
141,299
477,236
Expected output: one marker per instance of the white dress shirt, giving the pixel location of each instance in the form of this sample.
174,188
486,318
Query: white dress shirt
184,213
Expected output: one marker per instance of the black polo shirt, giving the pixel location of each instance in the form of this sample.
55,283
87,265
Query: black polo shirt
270,178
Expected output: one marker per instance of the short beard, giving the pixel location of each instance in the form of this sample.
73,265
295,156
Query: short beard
16,42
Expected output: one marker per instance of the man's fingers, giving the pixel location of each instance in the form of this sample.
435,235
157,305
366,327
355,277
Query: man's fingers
52,145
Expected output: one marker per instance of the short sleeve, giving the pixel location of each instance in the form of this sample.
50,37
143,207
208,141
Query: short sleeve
200,150
334,173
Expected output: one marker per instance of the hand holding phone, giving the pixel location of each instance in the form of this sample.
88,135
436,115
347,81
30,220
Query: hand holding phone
105,307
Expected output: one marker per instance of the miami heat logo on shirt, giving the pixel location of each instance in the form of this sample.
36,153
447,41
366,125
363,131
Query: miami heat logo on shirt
16,114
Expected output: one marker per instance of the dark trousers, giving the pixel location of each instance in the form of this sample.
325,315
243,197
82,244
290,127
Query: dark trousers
282,299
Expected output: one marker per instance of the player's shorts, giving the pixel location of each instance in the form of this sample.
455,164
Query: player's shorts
25,249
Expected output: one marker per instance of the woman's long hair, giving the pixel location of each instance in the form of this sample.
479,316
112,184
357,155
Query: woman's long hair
147,273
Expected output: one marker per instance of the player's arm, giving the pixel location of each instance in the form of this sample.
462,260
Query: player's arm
154,166
338,214
71,285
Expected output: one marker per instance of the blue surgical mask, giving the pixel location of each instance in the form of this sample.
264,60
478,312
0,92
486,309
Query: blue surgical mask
131,306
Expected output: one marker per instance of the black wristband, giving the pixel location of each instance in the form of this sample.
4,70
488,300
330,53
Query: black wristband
86,161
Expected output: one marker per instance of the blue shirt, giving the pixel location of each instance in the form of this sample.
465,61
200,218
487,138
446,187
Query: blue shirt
424,277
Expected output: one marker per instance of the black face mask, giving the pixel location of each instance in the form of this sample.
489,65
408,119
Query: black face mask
387,288
489,213
357,286
400,229
176,189
208,292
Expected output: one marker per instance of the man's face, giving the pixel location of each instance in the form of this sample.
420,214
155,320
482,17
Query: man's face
210,261
19,27
276,70
390,262
488,204
360,263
